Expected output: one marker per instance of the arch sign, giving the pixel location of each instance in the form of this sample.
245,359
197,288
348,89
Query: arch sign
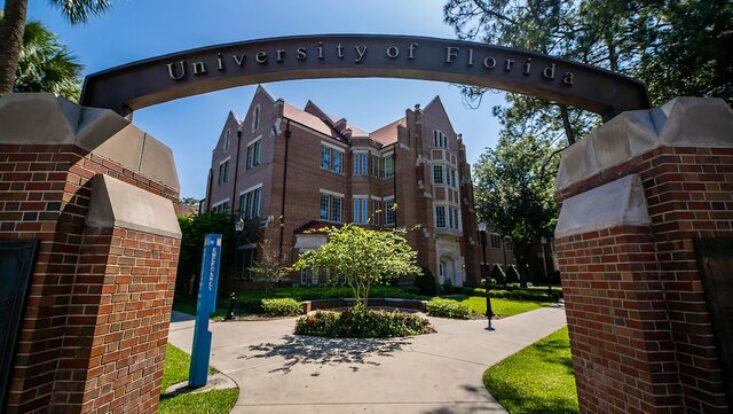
161,79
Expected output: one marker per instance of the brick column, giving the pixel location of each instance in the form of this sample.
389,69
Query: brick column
77,331
634,194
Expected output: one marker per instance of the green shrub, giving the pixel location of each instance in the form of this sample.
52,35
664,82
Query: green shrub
426,284
539,295
282,307
252,301
448,308
512,274
362,323
497,273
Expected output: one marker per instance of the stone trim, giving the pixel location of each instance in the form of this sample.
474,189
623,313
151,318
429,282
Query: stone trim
681,122
47,119
618,203
115,203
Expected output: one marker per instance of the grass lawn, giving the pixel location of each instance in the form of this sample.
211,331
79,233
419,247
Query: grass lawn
536,380
502,307
187,305
175,370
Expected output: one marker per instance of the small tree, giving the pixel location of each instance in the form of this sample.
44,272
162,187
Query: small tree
362,257
270,266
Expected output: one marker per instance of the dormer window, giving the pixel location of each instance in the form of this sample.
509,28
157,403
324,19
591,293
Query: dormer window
256,118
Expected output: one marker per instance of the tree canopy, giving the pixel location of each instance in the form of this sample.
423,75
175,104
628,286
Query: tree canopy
46,65
679,48
362,257
514,192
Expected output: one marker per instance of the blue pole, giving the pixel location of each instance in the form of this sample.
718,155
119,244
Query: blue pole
206,305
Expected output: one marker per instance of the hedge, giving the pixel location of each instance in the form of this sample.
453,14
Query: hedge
282,307
448,308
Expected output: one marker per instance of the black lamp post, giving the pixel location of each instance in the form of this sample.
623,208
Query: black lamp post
489,312
238,227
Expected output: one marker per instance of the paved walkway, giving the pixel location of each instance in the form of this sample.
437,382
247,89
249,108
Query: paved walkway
440,373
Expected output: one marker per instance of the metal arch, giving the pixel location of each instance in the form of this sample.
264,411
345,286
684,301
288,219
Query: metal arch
148,82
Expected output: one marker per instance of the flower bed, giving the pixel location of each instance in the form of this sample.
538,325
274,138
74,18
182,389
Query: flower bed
362,323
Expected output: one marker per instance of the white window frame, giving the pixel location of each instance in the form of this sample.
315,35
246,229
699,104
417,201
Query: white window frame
389,157
227,138
256,155
387,214
361,209
331,195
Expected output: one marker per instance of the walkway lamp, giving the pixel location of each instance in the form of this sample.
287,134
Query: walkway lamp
482,226
543,243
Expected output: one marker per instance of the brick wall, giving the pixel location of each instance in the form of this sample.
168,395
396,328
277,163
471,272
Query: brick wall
635,302
44,194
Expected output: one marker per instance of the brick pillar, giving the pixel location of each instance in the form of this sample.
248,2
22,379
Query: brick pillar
101,291
635,194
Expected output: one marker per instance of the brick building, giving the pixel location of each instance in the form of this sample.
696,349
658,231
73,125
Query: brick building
312,169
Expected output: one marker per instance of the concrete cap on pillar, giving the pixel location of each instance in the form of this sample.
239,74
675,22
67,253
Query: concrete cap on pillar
115,203
681,122
618,203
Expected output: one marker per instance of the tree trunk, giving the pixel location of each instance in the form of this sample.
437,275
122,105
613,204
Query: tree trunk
566,124
11,40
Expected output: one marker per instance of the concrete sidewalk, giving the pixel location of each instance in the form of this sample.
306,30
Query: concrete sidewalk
278,372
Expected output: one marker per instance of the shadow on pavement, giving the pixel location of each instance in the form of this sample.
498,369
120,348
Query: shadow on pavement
326,351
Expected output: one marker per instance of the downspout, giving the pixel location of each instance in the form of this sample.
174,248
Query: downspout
394,179
236,169
288,133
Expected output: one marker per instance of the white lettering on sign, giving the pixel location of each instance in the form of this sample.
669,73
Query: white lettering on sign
212,269
449,55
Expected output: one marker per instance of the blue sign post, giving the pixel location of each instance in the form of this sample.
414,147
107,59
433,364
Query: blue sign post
199,371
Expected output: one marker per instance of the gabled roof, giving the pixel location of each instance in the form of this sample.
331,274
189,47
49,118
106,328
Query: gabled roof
387,134
306,119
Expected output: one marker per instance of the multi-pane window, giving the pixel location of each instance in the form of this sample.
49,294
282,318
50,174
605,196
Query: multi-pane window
256,118
375,165
332,159
253,154
437,174
248,260
440,216
388,166
361,210
389,213
325,158
249,204
338,161
443,174
331,207
220,208
440,140
377,212
336,203
223,172
361,164
453,221
495,241
451,177
325,206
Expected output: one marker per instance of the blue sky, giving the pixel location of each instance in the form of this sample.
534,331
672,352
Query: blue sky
137,29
